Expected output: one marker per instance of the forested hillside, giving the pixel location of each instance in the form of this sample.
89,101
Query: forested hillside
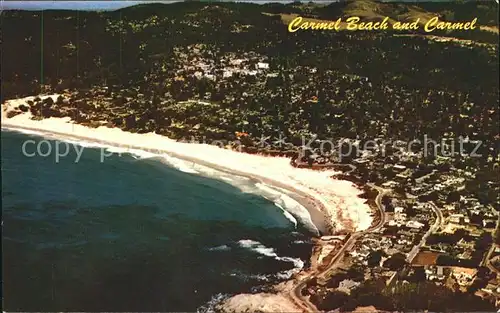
151,58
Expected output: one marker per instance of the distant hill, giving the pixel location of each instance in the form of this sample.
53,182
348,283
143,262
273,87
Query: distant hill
125,39
485,11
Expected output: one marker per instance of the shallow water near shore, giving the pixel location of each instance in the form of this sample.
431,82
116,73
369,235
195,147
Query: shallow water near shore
134,233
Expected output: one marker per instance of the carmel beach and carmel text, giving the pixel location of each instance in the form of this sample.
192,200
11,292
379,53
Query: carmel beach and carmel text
355,23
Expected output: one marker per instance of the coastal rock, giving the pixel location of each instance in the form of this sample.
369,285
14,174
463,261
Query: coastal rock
117,121
364,309
13,113
23,108
60,100
261,302
130,122
35,111
48,102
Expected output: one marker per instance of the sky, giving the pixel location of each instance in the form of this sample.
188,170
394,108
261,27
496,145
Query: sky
85,5
105,5
72,5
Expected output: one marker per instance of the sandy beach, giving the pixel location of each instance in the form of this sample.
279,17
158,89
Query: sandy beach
334,205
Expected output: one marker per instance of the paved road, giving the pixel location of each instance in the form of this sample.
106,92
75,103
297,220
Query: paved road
437,224
488,258
296,293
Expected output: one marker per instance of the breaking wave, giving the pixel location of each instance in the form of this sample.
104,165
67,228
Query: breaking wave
25,131
270,252
292,210
287,215
211,305
259,248
286,202
220,248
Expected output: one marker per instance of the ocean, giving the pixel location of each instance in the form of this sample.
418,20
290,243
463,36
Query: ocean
137,232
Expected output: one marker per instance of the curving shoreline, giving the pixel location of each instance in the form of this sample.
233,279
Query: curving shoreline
333,205
315,208
330,203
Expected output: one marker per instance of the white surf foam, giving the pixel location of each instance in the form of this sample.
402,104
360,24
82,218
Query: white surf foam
116,150
292,210
247,277
82,143
179,164
51,136
142,154
25,131
285,275
291,206
270,252
287,215
210,306
220,248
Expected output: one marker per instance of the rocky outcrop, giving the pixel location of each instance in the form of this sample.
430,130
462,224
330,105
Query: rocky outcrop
261,302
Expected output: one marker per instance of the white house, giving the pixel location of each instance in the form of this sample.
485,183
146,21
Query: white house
414,224
262,66
347,284
455,218
236,62
399,209
198,74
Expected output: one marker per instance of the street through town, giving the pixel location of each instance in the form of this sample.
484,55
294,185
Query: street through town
296,293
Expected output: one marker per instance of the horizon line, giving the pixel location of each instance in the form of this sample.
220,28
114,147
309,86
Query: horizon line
108,5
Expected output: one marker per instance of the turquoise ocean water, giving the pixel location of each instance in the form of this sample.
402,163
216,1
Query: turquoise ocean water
137,232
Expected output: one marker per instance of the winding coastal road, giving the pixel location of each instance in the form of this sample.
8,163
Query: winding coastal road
296,293
488,259
437,224
301,196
